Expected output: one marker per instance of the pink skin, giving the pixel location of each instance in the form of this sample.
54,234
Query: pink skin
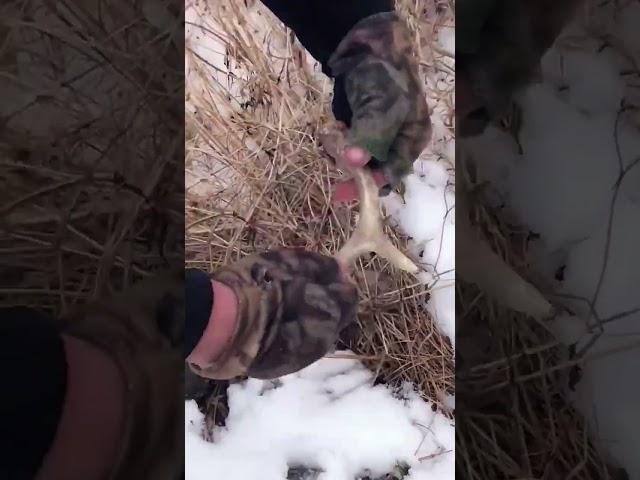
346,192
344,272
88,435
219,330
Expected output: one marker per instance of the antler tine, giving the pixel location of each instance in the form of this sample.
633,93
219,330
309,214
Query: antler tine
477,263
369,235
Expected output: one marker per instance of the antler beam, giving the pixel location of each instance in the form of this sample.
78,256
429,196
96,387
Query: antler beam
369,235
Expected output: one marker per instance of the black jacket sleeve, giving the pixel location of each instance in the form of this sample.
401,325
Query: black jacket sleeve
198,306
33,368
320,25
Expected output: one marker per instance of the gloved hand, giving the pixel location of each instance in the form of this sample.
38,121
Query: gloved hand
289,307
376,73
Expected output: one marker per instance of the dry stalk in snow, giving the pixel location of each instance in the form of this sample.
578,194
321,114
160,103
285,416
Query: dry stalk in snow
369,235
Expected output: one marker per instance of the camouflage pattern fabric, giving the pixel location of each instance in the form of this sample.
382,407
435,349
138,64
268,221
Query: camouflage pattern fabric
293,305
390,114
142,331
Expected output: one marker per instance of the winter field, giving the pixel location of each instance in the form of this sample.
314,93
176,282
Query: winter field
335,420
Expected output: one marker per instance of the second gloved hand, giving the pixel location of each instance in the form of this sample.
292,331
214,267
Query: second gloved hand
289,308
376,72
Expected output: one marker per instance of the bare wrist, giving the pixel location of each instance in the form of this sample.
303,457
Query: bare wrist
220,329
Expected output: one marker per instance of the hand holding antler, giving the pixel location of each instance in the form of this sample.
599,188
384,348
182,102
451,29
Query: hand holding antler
376,67
369,235
377,74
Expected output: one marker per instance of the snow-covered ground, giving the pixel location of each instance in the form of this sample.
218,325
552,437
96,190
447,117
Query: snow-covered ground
427,215
330,417
562,188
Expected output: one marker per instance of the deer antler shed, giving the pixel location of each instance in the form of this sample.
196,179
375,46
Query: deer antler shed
369,234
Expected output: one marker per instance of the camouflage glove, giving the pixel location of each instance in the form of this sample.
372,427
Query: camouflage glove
292,306
390,116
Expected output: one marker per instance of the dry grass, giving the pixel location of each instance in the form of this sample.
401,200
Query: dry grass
513,419
90,151
259,180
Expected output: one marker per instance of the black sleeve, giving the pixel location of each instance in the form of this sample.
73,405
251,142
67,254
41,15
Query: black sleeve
198,306
33,368
320,25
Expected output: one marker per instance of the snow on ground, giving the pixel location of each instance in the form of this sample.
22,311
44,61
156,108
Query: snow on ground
562,188
327,417
427,215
